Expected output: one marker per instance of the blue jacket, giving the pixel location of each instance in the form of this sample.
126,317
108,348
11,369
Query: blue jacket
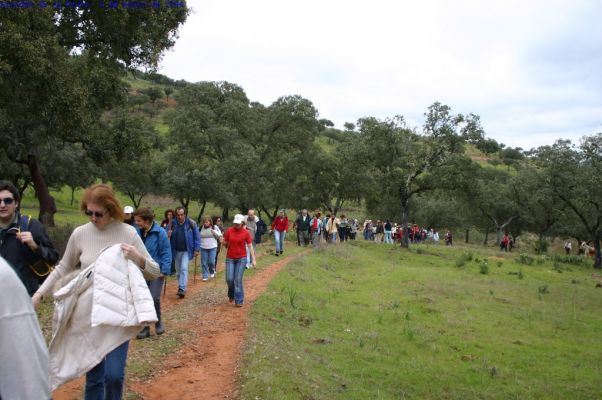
158,247
193,239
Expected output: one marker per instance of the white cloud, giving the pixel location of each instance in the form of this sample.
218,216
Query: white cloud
530,69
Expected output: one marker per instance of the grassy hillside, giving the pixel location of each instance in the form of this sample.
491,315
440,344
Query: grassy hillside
369,321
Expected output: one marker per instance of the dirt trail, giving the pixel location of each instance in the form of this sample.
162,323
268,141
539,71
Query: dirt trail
207,367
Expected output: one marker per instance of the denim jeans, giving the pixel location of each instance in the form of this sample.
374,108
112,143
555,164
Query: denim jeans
279,237
208,261
105,380
315,238
333,237
388,238
182,261
235,268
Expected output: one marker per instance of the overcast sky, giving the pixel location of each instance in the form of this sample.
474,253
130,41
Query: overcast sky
530,68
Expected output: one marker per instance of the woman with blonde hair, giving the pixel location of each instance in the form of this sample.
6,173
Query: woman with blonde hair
106,228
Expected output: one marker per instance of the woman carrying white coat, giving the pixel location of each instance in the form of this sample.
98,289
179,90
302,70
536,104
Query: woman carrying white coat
105,380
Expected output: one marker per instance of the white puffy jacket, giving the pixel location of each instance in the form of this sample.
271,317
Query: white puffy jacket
102,307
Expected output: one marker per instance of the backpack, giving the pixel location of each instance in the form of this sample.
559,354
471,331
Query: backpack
40,267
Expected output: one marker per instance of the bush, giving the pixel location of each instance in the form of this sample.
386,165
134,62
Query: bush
540,246
59,235
484,268
525,259
573,260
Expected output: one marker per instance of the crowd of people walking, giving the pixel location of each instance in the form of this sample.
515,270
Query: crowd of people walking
112,276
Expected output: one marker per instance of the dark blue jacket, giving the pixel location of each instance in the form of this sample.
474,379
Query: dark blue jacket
193,239
158,247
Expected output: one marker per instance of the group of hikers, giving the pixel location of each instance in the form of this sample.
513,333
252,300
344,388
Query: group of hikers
107,286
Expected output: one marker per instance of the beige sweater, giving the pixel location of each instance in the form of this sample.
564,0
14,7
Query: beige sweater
85,244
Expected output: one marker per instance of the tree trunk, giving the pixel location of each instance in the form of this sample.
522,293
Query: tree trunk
225,214
467,232
405,216
486,236
185,202
72,194
202,211
46,201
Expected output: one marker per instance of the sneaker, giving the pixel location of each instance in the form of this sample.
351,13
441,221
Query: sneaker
247,266
204,279
181,293
212,275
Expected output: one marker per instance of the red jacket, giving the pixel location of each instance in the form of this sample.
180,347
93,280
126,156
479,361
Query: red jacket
280,224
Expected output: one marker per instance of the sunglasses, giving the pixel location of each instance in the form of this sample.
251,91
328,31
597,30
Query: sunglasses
97,214
7,201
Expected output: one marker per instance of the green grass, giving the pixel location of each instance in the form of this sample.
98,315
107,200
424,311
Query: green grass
367,321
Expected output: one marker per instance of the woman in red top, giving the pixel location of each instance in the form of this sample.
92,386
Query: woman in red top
237,240
280,228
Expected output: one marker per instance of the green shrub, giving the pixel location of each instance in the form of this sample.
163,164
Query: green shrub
540,246
59,235
573,260
525,259
484,267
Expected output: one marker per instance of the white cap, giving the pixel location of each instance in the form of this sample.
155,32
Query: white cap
128,210
239,219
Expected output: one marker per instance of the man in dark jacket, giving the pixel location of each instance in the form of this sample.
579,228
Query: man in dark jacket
302,225
24,243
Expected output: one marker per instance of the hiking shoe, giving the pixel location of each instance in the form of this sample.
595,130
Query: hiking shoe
238,305
181,293
144,333
212,275
277,254
159,329
204,279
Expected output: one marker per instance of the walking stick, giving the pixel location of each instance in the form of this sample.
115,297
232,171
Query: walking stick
164,286
196,257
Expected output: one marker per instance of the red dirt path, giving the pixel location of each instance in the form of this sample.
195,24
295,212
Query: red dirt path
206,368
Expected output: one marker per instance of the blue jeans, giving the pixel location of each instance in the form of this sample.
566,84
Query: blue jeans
388,238
235,268
208,261
279,236
333,237
105,380
182,261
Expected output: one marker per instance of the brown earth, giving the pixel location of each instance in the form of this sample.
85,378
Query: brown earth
207,366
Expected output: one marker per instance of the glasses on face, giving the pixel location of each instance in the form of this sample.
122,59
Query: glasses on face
7,201
97,214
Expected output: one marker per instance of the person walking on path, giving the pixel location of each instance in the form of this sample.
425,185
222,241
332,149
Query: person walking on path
332,228
316,228
185,243
251,226
302,225
280,228
24,243
238,241
217,225
158,246
568,247
105,229
210,237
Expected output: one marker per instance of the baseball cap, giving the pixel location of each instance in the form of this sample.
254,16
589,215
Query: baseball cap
239,219
128,210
